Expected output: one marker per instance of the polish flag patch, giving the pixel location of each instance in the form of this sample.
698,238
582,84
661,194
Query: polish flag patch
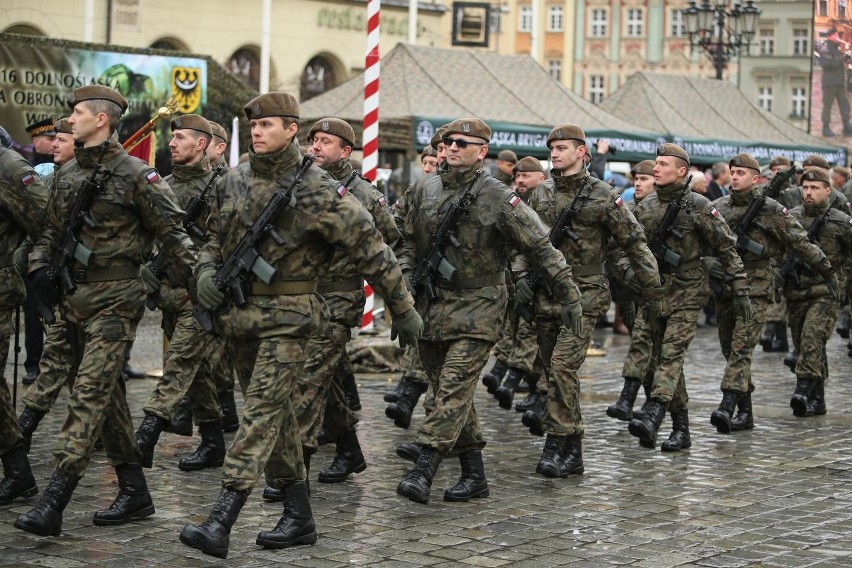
786,212
152,176
28,179
714,212
382,201
619,201
514,199
341,190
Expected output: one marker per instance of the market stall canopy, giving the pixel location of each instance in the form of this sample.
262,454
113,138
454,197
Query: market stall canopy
425,87
713,120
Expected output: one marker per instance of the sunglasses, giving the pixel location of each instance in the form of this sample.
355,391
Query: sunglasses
460,142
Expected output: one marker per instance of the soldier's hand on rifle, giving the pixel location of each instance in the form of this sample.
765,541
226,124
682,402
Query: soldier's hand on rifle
523,293
714,269
409,327
152,283
627,311
46,290
572,317
208,294
742,308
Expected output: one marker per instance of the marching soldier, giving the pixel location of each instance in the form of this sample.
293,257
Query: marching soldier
217,147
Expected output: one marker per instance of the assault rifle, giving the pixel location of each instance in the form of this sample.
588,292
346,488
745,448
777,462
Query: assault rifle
794,264
666,227
749,220
193,209
563,226
245,259
434,263
779,182
70,248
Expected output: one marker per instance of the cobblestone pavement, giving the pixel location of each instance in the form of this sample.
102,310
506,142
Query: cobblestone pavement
775,496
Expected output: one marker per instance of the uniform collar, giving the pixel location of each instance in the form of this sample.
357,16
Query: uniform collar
192,171
742,198
340,170
88,157
454,178
672,191
274,163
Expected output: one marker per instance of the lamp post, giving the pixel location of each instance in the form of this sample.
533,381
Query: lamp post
721,34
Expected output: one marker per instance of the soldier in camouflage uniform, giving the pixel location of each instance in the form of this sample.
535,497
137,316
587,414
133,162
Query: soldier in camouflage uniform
216,151
697,228
134,207
598,215
270,332
462,321
772,232
813,301
24,198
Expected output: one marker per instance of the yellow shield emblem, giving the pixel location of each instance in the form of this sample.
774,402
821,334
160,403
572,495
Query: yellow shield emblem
186,88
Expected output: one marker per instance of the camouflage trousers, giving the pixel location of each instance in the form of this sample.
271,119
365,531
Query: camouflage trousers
188,368
412,369
777,311
10,434
268,438
453,367
98,402
56,367
640,362
811,325
738,339
503,347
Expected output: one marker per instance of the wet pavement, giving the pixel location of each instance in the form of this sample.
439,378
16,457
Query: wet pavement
779,495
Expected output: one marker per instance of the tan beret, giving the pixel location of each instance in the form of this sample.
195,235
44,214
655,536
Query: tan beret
566,132
669,149
272,104
428,151
645,167
218,131
507,156
528,164
191,122
469,127
816,174
96,92
744,161
62,126
438,137
779,161
817,161
841,171
335,126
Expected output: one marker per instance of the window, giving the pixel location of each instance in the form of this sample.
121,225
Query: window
596,88
554,67
634,22
766,40
841,8
800,42
678,27
798,101
764,98
554,18
597,23
822,7
525,19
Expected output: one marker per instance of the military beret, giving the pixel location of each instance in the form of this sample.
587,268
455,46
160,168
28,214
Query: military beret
814,160
816,174
469,127
96,92
5,139
566,132
528,164
218,131
508,156
841,171
779,161
438,137
192,122
744,161
42,127
669,149
62,126
272,104
428,151
335,126
645,167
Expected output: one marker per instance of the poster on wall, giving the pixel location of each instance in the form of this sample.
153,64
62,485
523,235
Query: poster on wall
831,80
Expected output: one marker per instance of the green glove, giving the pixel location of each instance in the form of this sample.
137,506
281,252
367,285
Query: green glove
209,295
572,317
652,310
742,308
627,311
632,282
523,292
715,270
152,283
409,327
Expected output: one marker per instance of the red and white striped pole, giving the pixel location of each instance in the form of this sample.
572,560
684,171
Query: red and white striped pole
371,93
367,318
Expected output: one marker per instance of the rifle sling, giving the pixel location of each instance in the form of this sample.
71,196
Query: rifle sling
347,285
284,288
109,274
495,279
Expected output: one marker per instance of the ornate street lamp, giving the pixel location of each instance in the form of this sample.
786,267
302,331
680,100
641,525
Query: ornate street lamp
721,34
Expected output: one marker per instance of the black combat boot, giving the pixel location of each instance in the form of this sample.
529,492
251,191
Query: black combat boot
550,464
147,436
296,525
472,483
393,394
790,360
768,335
211,450
639,412
408,451
744,419
181,422
133,500
816,402
350,389
418,484
529,401
230,418
721,418
623,407
45,519
348,460
400,411
494,377
679,438
324,438
28,421
572,455
645,428
213,536
277,495
843,324
18,480
534,417
780,344
505,393
799,402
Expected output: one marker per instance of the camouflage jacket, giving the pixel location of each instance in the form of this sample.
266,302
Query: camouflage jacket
703,230
835,240
473,304
602,217
23,198
320,220
776,230
135,208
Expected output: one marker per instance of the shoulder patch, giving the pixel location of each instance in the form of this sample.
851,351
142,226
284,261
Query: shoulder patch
382,201
341,190
785,211
619,201
714,212
28,178
514,199
152,176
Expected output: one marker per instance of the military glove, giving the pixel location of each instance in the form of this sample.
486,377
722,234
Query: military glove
21,258
572,317
409,328
627,311
152,283
632,282
523,292
209,296
742,308
833,286
652,310
715,270
45,289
